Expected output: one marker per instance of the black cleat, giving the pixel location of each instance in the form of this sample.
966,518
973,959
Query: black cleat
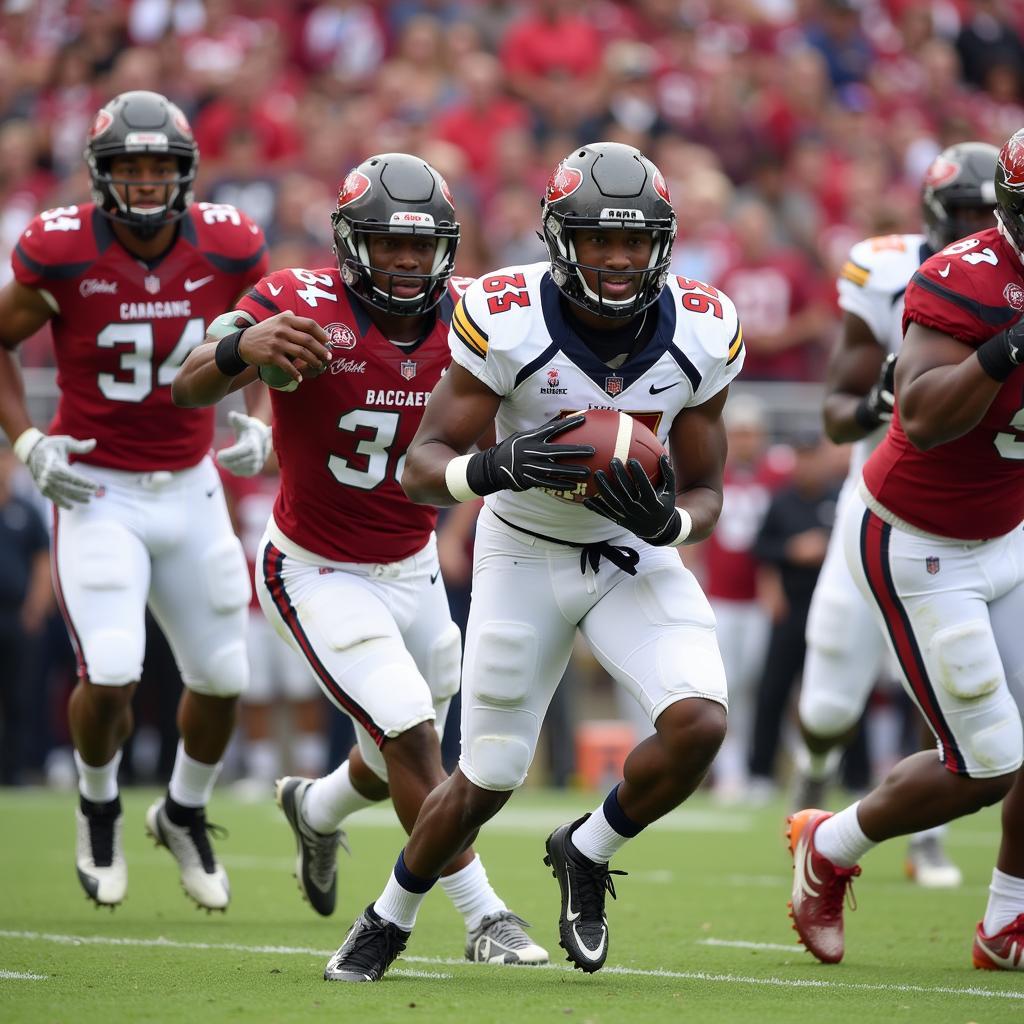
316,863
582,925
369,949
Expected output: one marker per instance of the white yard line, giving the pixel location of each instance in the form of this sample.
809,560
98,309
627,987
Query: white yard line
792,947
728,979
21,976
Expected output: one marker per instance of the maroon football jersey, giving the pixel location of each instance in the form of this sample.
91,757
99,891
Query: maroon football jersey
122,327
341,437
973,487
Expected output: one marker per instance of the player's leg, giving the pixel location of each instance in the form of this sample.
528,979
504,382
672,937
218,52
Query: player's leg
518,644
101,576
940,630
494,934
199,595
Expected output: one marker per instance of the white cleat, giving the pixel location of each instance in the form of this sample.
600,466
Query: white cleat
929,865
202,877
501,939
99,857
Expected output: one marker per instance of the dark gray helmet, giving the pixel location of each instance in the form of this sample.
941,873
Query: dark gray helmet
141,122
1009,185
607,185
394,193
959,179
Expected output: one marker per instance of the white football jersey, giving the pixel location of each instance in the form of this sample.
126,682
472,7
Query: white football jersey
509,331
871,285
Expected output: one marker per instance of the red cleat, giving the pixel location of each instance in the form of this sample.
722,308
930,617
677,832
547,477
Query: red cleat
1003,951
819,887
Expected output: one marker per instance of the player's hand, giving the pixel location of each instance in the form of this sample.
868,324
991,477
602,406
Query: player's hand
283,340
54,476
629,499
529,459
249,452
877,405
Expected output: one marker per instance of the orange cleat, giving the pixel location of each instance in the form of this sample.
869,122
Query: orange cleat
1003,951
819,887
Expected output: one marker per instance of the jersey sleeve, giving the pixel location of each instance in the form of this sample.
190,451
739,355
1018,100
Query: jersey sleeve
474,348
55,249
865,288
943,295
721,350
269,295
231,242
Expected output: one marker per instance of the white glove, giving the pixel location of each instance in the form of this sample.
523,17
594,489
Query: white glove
46,456
248,454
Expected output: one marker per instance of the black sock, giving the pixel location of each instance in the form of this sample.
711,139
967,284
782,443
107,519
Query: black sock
178,815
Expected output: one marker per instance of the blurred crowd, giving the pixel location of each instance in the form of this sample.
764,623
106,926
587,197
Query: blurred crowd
787,131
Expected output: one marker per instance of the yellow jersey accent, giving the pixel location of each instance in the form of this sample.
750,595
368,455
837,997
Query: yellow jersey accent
467,331
735,345
857,274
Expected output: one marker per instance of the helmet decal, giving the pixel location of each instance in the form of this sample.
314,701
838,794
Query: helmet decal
354,187
660,186
562,183
1011,160
181,123
446,191
104,119
941,172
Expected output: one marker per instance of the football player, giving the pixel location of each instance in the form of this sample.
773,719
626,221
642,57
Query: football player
845,647
128,284
600,324
933,539
348,571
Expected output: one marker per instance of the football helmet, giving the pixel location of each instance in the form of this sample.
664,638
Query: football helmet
394,193
960,178
1009,186
607,185
141,122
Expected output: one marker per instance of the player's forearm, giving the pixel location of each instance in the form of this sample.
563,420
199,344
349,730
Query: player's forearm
840,418
704,505
945,402
200,381
423,478
14,417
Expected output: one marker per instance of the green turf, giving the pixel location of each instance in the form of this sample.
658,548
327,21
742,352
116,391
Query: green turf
714,876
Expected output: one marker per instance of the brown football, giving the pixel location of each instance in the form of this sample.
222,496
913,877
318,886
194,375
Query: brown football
613,434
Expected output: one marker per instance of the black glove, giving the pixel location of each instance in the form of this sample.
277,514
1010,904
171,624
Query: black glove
877,405
630,500
528,459
1001,355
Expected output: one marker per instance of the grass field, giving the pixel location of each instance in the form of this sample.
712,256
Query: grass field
699,932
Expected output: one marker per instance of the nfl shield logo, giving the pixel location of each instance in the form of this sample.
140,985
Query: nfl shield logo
931,563
408,369
152,283
613,385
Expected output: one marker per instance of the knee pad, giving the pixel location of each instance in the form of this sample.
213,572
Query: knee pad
966,660
828,623
96,566
998,749
444,664
834,691
226,674
226,576
113,657
504,663
497,763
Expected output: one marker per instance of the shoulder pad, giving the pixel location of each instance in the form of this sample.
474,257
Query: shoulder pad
58,243
708,318
884,263
227,237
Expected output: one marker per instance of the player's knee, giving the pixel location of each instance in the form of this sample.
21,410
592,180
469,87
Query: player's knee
828,712
692,729
113,657
998,749
416,749
504,663
225,576
109,701
225,672
497,763
444,665
828,624
967,660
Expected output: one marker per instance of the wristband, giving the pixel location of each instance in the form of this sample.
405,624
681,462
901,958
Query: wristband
685,528
26,442
226,356
455,478
999,357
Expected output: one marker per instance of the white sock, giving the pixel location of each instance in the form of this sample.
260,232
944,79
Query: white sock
98,784
471,893
309,752
596,839
398,905
263,760
841,840
330,800
1005,901
192,781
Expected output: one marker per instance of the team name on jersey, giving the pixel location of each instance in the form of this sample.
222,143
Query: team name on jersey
155,310
394,397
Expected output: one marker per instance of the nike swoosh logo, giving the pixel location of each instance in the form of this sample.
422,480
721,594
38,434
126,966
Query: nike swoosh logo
658,391
433,579
1008,962
591,954
275,289
804,873
191,286
570,915
944,272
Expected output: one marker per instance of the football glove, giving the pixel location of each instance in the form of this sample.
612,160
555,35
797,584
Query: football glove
877,405
47,461
249,452
630,500
529,459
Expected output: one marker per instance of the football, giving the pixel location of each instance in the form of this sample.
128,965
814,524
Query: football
274,377
613,434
